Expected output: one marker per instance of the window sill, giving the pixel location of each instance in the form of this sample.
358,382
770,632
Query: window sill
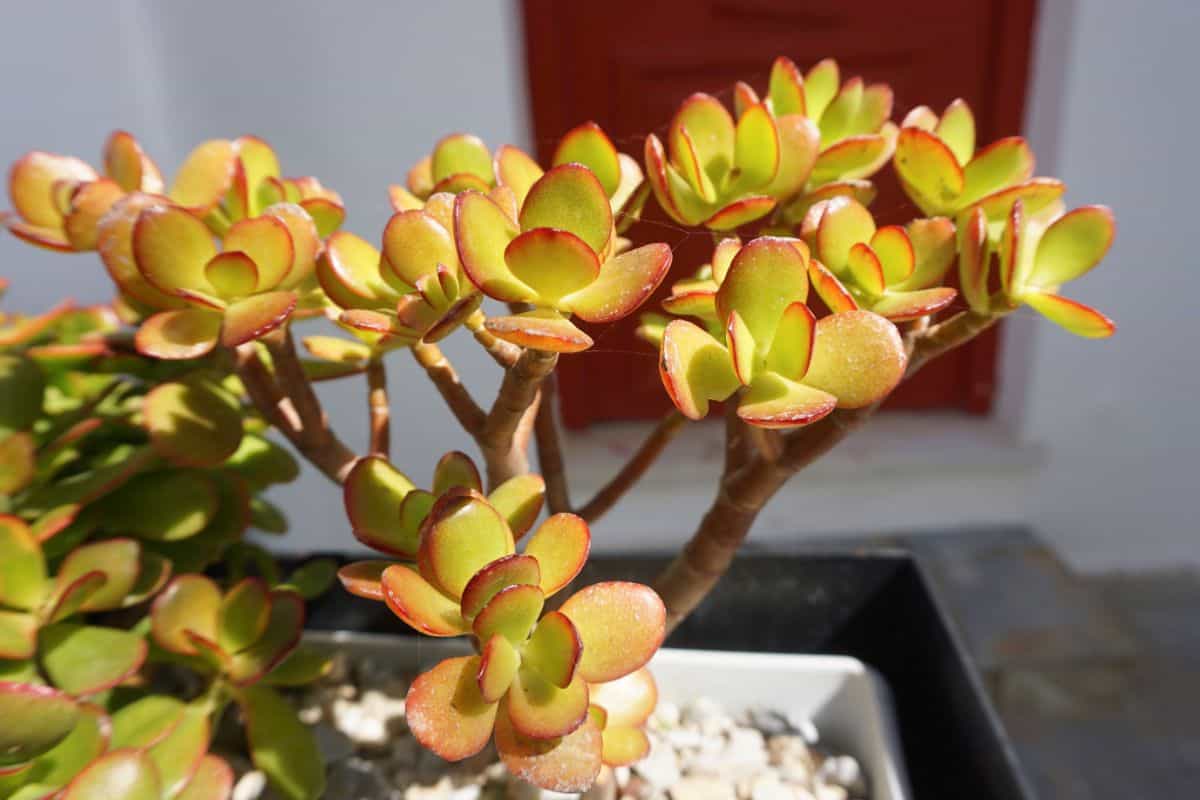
905,472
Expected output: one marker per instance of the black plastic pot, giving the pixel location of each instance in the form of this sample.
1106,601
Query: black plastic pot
875,606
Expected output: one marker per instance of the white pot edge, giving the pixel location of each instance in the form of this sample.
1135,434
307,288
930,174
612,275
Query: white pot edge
846,699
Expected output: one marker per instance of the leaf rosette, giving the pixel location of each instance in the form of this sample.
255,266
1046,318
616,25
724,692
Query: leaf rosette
759,340
529,684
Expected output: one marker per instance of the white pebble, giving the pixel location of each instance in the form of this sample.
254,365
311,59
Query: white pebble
769,787
660,769
702,789
667,715
805,727
843,771
828,791
250,786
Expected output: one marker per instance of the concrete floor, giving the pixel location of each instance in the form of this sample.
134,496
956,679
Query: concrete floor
1097,678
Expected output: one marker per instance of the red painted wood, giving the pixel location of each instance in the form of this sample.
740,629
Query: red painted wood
627,65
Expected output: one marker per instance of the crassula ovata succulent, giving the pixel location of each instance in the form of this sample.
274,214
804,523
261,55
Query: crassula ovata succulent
134,443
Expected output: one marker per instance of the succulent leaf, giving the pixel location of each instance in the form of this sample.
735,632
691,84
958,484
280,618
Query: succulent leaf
189,333
857,357
279,637
1075,317
588,145
419,603
553,650
243,615
373,493
560,546
568,764
38,719
512,612
506,571
498,665
695,368
540,329
364,578
539,709
281,745
189,603
620,624
460,541
119,775
192,423
446,711
773,401
1072,245
85,659
519,500
23,581
569,197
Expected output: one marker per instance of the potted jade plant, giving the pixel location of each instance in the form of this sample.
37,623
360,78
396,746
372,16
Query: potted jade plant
141,633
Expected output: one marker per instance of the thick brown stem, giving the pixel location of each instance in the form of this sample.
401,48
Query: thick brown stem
747,485
289,374
380,441
767,443
635,468
319,446
549,449
503,353
445,379
707,556
945,336
503,449
265,396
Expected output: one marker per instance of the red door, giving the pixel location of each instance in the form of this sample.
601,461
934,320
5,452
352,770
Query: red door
627,65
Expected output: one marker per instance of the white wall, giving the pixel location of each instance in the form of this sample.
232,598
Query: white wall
354,93
1096,442
1120,486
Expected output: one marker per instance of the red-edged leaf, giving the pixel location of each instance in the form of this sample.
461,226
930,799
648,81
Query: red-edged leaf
1075,317
498,664
190,602
364,578
85,659
695,368
540,330
280,636
624,283
569,764
858,358
249,319
421,604
570,197
511,570
482,231
540,710
906,306
774,402
553,650
740,212
831,291
629,700
621,626
519,500
552,262
512,613
179,335
560,546
446,712
119,775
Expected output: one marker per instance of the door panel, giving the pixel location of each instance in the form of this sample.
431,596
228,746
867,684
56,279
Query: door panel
627,65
